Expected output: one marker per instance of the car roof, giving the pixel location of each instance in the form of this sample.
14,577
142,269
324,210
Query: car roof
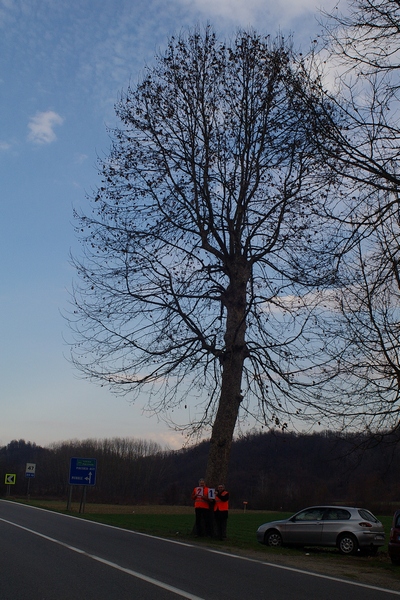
333,506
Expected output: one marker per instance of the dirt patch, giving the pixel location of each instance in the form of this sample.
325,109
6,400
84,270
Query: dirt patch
126,509
118,509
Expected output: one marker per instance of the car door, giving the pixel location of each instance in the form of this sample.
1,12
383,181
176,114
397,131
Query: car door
333,520
305,528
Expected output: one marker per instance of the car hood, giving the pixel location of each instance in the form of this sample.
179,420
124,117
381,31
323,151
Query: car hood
272,523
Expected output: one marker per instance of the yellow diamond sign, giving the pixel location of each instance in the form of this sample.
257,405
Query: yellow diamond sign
10,478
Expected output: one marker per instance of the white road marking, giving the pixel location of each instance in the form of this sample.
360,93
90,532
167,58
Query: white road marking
311,573
140,576
191,597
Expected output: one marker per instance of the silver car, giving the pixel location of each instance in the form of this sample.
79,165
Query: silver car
350,529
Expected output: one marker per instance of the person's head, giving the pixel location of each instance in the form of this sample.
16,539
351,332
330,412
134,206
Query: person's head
202,482
221,487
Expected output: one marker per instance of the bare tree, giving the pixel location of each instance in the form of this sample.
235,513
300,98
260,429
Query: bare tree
365,152
366,393
206,251
363,43
365,38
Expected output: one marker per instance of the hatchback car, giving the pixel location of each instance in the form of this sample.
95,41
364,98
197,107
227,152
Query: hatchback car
394,540
349,529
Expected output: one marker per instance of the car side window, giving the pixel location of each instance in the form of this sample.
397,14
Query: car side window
367,516
310,514
336,514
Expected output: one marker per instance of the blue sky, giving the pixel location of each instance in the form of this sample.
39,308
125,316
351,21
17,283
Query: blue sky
63,64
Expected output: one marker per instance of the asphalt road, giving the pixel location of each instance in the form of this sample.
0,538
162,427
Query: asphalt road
49,556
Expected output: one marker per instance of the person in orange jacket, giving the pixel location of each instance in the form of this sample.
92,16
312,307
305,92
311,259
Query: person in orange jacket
202,509
221,507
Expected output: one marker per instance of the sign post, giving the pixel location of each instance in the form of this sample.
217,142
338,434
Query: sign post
30,471
82,471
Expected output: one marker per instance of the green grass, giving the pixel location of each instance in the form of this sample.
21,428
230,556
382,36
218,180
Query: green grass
161,525
241,527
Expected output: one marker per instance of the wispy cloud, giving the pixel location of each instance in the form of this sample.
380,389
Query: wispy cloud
80,158
41,127
4,146
273,14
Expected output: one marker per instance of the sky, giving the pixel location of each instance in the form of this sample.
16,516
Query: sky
63,65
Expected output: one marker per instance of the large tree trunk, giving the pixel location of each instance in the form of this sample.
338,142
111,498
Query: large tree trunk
232,370
225,421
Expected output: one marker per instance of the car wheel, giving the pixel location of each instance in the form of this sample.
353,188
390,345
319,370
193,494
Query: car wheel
273,538
347,544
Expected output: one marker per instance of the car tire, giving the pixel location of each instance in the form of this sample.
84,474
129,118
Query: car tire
273,539
347,544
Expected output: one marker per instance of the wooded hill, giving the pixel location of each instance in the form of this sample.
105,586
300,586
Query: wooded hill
269,471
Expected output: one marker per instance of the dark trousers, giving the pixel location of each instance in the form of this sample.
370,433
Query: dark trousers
221,521
203,521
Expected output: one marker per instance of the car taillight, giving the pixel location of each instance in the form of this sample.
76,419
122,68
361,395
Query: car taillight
365,524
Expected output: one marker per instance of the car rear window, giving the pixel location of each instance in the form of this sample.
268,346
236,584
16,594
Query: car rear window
366,515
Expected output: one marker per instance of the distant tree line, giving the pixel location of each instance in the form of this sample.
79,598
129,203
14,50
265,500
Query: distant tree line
270,471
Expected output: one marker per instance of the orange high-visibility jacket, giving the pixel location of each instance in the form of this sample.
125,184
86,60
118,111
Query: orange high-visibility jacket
221,501
200,497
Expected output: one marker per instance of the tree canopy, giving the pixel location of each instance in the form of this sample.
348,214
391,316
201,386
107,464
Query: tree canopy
207,250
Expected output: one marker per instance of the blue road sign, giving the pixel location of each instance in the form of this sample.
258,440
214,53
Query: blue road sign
82,471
